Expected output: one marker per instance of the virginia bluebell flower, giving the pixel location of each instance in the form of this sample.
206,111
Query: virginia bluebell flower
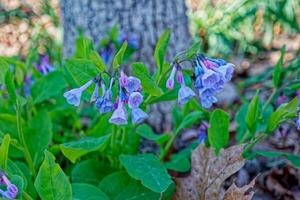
133,84
123,79
73,96
202,132
211,75
119,116
135,100
138,115
185,93
45,67
12,190
104,103
170,81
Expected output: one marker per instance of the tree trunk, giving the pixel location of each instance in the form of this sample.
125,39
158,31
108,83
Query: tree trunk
146,19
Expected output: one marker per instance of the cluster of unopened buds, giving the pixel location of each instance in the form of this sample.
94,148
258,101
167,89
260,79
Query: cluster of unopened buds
11,190
129,94
210,78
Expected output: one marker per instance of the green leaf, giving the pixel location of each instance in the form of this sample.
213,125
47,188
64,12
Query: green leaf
278,69
82,70
75,149
149,85
51,182
4,152
83,191
167,96
148,169
120,186
179,163
38,135
294,159
146,132
10,86
4,67
84,46
218,132
161,48
48,87
284,112
90,171
97,60
119,56
189,119
253,114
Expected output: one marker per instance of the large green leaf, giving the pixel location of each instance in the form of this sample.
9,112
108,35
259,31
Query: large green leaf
10,86
90,171
83,191
97,60
82,70
84,46
38,135
75,149
48,86
178,162
218,132
120,186
278,69
284,112
119,56
253,114
148,169
51,182
161,48
4,152
146,132
189,119
149,85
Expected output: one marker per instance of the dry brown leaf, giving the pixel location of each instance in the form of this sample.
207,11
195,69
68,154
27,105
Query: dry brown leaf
208,173
236,193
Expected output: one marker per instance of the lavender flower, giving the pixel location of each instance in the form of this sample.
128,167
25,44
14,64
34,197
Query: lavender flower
202,132
170,81
135,100
106,53
73,96
123,79
138,115
119,116
211,75
45,67
133,84
104,104
179,76
185,94
12,190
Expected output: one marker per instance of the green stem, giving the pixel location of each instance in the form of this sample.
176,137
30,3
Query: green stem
22,140
166,149
245,137
269,100
251,145
123,139
26,196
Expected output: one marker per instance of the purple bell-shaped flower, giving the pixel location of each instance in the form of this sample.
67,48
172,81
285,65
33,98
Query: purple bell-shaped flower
119,116
138,115
135,100
170,81
133,84
73,96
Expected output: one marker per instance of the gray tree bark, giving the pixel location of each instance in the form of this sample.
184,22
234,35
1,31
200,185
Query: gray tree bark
146,19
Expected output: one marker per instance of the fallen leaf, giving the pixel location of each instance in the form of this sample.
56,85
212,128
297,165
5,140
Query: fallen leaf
208,172
239,193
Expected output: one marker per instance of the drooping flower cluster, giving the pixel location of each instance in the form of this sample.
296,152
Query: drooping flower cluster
211,76
44,66
11,190
129,94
